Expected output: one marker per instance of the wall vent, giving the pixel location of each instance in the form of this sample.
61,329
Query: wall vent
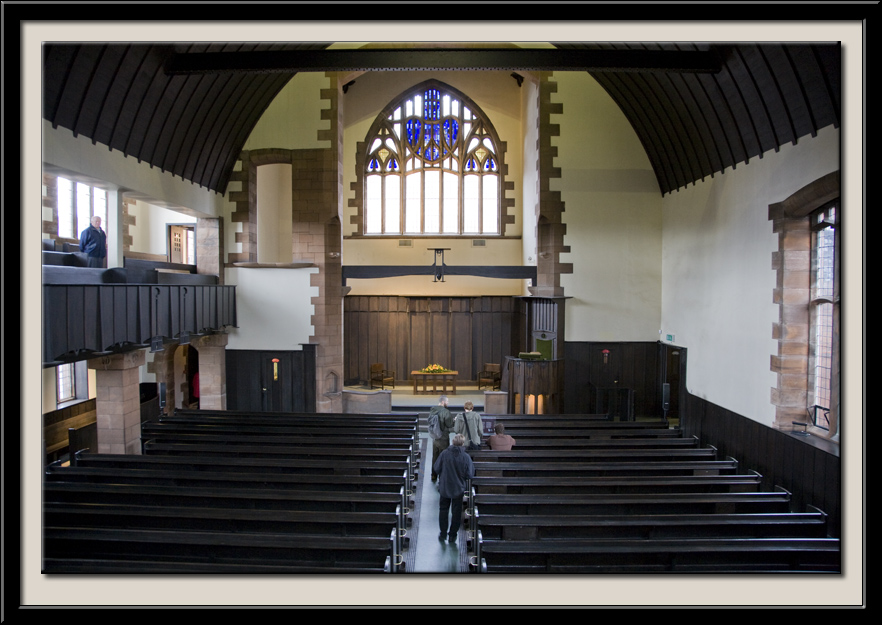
405,243
479,242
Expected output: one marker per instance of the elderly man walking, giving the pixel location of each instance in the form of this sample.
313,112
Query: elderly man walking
454,468
445,423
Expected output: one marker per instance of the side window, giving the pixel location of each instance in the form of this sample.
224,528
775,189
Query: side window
65,383
71,382
77,204
824,317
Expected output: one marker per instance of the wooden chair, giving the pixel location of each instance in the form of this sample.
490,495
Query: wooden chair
491,376
380,377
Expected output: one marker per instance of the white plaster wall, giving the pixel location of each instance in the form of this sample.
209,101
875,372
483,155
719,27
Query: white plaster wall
293,118
612,214
717,273
149,233
62,152
273,307
274,221
530,170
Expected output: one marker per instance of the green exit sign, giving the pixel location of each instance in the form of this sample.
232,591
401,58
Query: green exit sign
669,337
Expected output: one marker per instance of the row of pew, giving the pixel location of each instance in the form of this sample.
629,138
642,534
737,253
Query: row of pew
229,492
582,494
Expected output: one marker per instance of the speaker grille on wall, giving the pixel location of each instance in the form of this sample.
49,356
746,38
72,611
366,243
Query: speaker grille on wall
479,243
405,243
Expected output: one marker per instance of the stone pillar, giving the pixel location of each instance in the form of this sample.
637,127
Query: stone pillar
550,225
163,366
212,371
210,247
118,402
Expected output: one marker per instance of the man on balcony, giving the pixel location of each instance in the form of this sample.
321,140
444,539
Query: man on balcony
93,243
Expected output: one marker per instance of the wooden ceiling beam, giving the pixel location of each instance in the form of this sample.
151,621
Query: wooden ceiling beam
526,59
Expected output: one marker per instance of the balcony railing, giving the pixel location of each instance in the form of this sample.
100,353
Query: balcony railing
81,321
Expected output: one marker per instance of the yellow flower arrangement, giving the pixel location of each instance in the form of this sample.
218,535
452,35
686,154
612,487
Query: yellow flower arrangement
434,369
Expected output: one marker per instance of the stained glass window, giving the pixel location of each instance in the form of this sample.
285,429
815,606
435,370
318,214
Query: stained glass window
432,168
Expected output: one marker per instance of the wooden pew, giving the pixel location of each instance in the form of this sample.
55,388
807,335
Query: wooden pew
221,496
74,549
305,426
600,443
583,469
593,432
569,421
333,442
175,498
810,524
223,452
274,466
148,475
308,524
749,482
580,504
588,454
678,555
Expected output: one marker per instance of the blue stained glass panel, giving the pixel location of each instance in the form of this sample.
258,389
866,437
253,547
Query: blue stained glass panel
451,130
413,131
432,104
374,165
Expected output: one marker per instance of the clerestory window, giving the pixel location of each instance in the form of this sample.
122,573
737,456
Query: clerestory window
432,166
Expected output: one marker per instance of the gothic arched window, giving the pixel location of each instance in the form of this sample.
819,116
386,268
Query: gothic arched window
432,166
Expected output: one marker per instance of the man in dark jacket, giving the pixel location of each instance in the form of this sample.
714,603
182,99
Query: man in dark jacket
445,422
93,243
454,468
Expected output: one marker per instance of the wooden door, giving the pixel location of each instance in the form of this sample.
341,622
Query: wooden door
176,244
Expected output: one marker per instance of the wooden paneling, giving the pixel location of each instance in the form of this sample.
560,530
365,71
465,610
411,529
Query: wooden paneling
807,467
628,365
249,372
408,333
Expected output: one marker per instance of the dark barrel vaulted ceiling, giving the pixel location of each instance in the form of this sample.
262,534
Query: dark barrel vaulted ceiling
188,109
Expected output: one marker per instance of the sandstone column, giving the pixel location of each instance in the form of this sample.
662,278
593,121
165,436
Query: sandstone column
212,371
118,402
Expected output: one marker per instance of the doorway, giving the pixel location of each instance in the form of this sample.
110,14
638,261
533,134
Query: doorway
270,381
181,244
672,379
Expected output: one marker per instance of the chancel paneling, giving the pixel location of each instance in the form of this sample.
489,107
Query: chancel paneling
408,333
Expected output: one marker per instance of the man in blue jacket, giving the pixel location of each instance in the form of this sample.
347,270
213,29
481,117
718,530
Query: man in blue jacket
454,468
93,243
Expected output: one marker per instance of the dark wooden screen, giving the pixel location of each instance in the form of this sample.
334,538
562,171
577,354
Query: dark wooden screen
408,333
627,366
251,384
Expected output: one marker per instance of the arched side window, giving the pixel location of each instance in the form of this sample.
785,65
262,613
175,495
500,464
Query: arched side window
432,165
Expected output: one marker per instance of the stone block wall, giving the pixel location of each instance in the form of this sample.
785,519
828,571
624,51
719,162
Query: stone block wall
550,228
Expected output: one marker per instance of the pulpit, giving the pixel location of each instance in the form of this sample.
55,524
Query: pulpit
533,386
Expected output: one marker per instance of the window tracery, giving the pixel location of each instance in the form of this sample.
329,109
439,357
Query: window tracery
432,167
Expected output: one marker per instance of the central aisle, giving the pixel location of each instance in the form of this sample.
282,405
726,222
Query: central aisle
432,555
